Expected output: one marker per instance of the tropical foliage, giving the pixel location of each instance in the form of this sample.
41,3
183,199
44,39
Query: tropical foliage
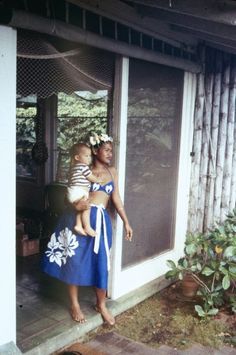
210,259
78,115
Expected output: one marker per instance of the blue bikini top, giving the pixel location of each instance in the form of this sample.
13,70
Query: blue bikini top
108,188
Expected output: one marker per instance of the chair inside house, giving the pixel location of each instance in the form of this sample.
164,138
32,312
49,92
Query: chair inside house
55,203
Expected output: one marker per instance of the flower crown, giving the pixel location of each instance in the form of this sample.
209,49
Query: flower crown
96,140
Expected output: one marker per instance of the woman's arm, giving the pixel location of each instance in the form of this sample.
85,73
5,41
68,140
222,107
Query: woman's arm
116,199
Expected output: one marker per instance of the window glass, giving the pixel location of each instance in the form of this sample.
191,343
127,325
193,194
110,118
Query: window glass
78,115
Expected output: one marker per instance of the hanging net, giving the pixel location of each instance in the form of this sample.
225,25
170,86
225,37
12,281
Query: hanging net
47,65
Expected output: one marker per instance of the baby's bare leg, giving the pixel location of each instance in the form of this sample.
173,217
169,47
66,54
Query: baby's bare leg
79,226
85,216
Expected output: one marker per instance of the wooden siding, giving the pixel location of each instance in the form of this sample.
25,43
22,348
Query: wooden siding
213,176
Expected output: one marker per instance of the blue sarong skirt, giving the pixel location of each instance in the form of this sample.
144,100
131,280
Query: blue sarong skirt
76,259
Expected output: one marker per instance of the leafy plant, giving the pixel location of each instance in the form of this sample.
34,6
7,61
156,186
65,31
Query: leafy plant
210,259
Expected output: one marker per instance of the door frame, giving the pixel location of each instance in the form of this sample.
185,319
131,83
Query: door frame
8,52
134,276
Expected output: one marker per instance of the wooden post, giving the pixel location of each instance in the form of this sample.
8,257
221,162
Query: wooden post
205,147
227,176
196,150
209,218
222,138
232,202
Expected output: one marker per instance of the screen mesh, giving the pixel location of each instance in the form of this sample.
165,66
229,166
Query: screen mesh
47,65
153,128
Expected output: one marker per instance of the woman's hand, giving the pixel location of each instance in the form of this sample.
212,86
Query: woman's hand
129,232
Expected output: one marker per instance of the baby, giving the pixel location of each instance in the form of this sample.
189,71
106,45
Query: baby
80,178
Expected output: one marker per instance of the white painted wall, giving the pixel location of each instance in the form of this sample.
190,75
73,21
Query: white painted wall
7,183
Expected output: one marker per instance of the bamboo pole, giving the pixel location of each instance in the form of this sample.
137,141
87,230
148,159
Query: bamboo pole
209,218
196,150
227,176
205,143
232,202
222,138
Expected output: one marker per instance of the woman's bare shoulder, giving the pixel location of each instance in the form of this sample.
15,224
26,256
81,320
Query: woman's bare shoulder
113,171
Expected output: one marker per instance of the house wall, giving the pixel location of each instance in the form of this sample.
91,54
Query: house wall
213,180
7,183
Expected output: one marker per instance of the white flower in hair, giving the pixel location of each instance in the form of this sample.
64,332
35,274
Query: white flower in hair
105,138
95,139
92,140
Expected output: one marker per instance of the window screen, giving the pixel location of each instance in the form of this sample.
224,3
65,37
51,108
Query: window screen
153,132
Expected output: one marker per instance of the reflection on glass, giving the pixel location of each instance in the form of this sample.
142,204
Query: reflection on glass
154,108
78,115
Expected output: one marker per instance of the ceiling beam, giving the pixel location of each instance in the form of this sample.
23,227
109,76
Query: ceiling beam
219,30
227,44
220,11
127,15
221,47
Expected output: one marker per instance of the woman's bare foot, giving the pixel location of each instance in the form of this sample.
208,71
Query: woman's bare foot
80,230
76,314
90,231
106,315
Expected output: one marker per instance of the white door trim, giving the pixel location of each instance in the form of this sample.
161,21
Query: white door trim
121,105
132,277
8,183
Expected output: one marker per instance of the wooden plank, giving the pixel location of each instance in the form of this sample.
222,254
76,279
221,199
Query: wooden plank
127,15
221,47
184,20
227,45
224,12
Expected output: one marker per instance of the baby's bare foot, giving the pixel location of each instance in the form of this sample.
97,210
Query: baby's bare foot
90,231
77,315
80,230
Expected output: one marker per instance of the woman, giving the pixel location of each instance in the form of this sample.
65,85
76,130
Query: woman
84,260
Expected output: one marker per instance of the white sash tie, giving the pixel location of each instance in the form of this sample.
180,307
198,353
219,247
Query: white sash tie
100,221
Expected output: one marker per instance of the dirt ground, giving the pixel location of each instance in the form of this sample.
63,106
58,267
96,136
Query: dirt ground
169,318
